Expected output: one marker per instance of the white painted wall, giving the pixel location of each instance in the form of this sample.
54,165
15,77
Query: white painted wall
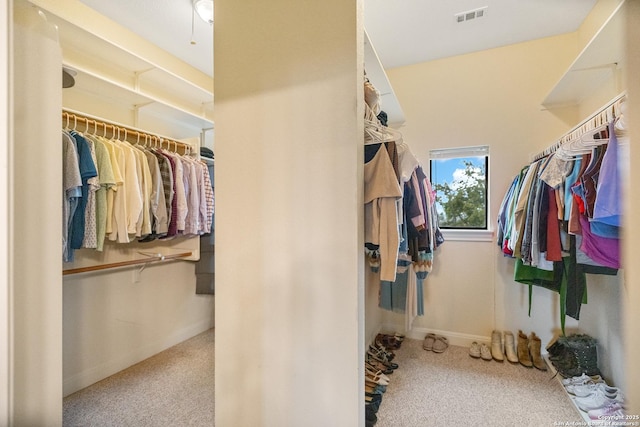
34,243
289,260
112,322
7,25
631,290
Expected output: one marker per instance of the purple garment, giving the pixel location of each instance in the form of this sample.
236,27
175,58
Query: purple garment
608,205
602,250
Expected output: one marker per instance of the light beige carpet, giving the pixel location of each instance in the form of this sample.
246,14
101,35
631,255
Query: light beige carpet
172,388
454,389
176,388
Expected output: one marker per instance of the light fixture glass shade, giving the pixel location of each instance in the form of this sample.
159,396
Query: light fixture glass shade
204,9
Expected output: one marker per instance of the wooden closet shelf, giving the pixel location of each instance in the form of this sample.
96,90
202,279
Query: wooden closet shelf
158,258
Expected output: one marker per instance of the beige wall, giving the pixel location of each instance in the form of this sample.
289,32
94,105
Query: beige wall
631,290
33,242
289,263
5,22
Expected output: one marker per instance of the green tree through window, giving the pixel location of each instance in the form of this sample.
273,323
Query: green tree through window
461,191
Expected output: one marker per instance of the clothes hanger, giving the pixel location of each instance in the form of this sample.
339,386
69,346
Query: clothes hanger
589,139
380,134
375,132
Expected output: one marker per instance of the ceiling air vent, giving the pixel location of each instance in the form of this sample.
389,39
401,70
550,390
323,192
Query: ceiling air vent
471,14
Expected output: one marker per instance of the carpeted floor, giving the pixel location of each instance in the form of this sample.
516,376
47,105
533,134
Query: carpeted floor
172,388
176,388
454,389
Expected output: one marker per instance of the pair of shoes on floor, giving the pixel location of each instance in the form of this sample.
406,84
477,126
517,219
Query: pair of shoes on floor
435,343
503,347
599,399
376,365
377,377
371,417
381,356
611,411
371,405
582,379
480,351
389,341
584,385
382,350
584,390
529,351
498,350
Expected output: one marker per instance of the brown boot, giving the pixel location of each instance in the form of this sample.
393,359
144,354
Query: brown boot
523,350
534,349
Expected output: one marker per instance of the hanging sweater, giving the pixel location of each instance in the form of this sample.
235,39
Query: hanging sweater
381,191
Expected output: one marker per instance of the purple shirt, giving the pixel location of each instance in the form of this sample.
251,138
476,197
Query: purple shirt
603,250
608,206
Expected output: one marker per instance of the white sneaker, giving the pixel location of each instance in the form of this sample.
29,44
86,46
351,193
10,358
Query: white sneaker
582,379
613,409
585,390
597,400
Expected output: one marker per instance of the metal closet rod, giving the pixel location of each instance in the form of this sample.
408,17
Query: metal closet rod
614,103
71,118
151,259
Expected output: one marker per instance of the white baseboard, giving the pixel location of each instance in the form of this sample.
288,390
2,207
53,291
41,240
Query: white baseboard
97,373
455,338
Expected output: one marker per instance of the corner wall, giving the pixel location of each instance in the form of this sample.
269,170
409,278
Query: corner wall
34,244
289,264
631,290
7,26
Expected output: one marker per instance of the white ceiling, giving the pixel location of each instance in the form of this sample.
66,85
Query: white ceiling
406,32
403,32
166,23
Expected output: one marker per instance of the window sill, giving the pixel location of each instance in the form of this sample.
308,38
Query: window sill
467,235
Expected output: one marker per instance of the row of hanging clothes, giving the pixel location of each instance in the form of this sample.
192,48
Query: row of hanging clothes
401,223
561,216
124,192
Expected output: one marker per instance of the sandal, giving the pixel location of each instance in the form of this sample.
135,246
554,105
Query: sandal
440,344
428,342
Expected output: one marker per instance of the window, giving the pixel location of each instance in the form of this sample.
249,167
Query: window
460,178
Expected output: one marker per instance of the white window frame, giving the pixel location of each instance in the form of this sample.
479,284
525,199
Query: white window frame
467,234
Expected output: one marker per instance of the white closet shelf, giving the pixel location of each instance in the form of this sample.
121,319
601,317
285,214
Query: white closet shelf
378,77
121,68
110,88
598,61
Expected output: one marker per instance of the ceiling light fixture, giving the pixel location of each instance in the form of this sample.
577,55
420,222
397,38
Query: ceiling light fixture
204,9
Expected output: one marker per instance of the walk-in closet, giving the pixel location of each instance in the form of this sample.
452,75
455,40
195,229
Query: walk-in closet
289,241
